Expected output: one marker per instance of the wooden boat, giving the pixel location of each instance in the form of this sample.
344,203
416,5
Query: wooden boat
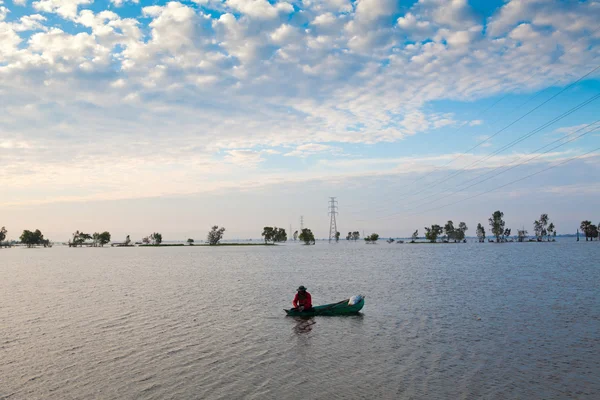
341,308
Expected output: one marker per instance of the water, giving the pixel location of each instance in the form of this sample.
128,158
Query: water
495,321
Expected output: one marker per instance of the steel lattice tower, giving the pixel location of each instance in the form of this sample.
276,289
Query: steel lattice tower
301,223
332,222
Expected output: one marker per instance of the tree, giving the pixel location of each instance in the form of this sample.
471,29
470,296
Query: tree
432,233
497,224
2,234
95,238
355,235
104,238
79,238
551,230
506,234
480,233
190,241
156,238
307,236
450,231
544,224
521,235
146,240
128,240
215,235
295,235
280,235
415,236
268,233
537,230
539,227
33,238
592,232
274,234
460,232
586,228
337,236
349,236
372,238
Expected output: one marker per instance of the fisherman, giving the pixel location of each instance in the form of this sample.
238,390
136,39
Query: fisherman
302,300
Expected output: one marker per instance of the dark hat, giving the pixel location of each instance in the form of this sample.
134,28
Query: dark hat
301,288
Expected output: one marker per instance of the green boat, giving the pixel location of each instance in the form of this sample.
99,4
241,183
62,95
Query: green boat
341,308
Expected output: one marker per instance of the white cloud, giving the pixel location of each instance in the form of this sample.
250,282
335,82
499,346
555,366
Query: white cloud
259,75
64,8
310,149
260,9
119,3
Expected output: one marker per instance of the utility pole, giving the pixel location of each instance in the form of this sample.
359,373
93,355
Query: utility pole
332,222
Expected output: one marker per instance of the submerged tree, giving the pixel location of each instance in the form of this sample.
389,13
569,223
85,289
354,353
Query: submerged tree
215,235
31,239
100,239
497,224
585,228
539,227
156,238
295,235
551,230
460,233
506,235
480,233
2,234
414,236
372,238
337,236
307,236
267,233
450,230
79,238
432,233
274,234
349,236
190,241
355,235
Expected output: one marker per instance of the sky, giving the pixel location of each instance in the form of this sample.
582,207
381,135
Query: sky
143,116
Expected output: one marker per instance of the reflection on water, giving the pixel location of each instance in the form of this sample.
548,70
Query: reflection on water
440,322
303,325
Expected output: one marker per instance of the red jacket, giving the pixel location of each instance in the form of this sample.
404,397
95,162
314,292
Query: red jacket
305,301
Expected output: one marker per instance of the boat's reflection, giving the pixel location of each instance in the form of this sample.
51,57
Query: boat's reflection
304,325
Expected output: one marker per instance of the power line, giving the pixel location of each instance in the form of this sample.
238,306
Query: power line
519,119
511,144
510,167
505,185
519,106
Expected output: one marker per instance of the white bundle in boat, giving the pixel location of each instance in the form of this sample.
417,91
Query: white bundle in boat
355,299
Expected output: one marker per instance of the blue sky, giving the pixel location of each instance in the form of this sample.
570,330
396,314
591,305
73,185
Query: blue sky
136,116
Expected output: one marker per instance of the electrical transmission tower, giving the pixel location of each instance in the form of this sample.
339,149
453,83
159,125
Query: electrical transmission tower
301,223
332,223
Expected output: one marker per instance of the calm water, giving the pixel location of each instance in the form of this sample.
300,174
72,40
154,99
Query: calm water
494,321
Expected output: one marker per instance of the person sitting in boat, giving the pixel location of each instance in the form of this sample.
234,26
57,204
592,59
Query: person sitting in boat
302,300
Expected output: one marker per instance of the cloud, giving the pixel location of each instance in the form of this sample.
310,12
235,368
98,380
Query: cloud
65,8
310,149
240,77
